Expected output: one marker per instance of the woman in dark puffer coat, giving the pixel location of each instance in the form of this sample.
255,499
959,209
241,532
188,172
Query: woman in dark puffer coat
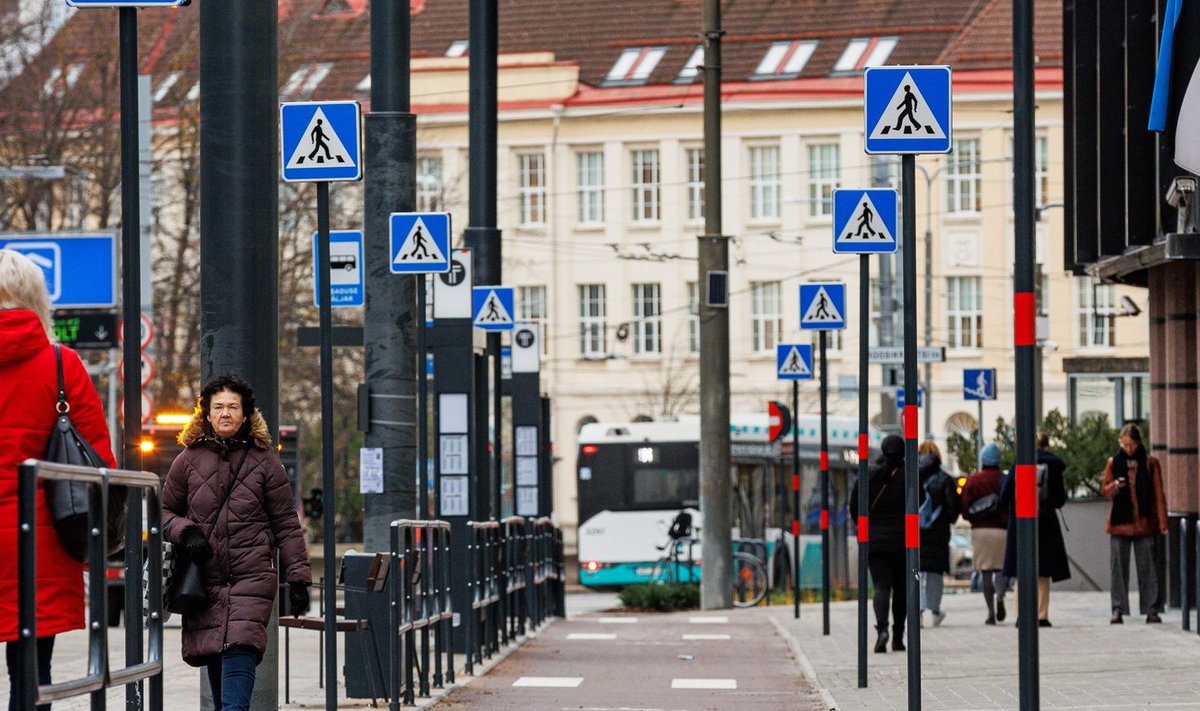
886,559
229,459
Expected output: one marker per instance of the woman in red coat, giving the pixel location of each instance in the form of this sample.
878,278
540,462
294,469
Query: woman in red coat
28,394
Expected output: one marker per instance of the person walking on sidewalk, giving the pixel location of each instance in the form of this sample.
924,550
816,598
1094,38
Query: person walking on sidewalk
944,504
1133,480
1053,564
885,489
981,506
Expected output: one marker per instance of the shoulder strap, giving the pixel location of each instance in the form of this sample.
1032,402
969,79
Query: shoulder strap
63,406
233,485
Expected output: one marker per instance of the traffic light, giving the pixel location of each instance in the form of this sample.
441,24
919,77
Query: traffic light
314,505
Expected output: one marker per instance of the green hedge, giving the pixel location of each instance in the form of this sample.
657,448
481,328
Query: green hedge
662,598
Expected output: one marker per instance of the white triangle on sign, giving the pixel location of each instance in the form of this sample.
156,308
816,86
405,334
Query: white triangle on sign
822,309
319,146
493,311
794,364
419,247
864,225
907,115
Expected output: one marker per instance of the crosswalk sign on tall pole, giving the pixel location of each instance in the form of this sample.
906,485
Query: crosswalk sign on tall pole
864,221
420,242
823,306
320,141
794,361
492,307
907,109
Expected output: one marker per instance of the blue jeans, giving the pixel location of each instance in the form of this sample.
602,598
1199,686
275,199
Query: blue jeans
931,591
45,648
231,676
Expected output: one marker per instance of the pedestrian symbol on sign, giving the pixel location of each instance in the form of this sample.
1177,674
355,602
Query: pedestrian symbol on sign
793,361
822,306
323,145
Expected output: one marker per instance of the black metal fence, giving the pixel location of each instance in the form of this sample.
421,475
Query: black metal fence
100,675
422,615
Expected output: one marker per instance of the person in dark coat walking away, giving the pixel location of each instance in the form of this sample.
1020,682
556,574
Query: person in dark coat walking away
28,397
227,502
1053,564
886,558
942,491
1133,480
981,506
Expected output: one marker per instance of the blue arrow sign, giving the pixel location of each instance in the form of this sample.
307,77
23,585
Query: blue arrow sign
346,273
128,3
864,221
900,397
794,361
493,307
320,141
979,383
823,306
420,242
907,109
80,269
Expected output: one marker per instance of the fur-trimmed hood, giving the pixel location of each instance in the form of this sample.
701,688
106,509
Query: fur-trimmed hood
255,429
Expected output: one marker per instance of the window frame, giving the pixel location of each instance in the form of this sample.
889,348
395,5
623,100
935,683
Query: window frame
646,196
962,321
964,178
647,318
593,321
531,188
823,179
765,181
589,195
766,316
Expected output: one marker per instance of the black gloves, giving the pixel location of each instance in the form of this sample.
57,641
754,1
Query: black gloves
196,545
298,598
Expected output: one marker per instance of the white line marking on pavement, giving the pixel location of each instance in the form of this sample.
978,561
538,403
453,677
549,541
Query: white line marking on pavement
560,682
617,620
708,620
706,636
590,636
704,683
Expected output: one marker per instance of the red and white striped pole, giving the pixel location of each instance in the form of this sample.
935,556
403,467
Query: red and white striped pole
912,528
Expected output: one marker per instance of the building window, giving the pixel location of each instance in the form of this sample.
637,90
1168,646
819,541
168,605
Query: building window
824,168
863,52
695,184
647,319
764,182
1097,305
766,316
593,341
589,171
165,86
634,66
458,48
691,68
1041,171
61,80
963,180
531,187
645,185
785,60
693,292
429,184
531,307
964,312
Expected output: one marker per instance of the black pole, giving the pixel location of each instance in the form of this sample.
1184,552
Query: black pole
1024,341
864,451
911,414
422,404
27,514
825,550
795,499
327,476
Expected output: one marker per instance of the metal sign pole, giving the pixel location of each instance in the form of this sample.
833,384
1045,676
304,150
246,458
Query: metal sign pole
422,404
824,486
864,325
327,479
979,439
795,500
912,529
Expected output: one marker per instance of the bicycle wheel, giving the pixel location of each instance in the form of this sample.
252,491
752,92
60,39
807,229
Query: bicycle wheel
749,580
663,572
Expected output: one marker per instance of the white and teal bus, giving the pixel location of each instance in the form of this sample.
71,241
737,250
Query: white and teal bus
634,477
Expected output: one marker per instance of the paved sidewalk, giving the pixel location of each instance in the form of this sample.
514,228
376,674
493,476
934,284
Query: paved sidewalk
1086,663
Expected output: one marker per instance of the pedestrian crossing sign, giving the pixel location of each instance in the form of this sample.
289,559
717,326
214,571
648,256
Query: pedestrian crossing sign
794,361
864,221
493,307
979,383
419,242
907,109
823,306
320,141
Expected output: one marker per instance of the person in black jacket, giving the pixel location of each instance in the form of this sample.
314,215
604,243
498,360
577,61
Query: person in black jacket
1052,551
886,526
942,491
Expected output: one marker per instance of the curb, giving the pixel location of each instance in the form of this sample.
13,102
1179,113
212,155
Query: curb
806,667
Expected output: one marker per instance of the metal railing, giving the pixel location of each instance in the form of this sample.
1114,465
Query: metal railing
99,674
420,608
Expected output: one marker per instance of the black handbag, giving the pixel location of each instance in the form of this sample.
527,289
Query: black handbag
983,507
68,500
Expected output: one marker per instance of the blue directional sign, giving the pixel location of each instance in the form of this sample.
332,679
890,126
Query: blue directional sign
907,109
823,306
420,242
320,141
900,397
864,221
493,307
979,383
346,268
127,3
80,269
794,361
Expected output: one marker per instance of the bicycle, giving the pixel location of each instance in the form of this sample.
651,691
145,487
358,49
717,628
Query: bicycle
748,575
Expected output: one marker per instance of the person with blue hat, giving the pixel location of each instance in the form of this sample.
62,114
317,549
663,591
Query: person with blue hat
989,523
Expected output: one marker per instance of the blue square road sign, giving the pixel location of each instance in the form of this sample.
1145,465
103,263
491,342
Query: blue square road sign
907,109
492,307
320,141
794,361
80,269
419,242
979,383
823,306
864,221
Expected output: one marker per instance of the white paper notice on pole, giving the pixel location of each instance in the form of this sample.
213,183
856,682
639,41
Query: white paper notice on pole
454,496
527,471
452,454
453,413
526,440
370,470
527,501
